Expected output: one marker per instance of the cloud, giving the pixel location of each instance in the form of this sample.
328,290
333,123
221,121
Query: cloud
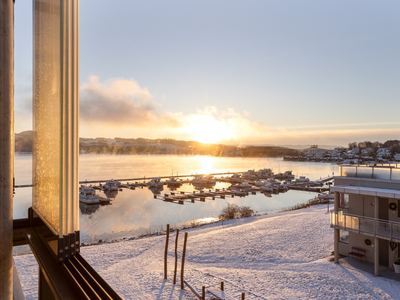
120,102
120,107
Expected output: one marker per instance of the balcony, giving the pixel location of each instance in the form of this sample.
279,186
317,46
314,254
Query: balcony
382,229
391,172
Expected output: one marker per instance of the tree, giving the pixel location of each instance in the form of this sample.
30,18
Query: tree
229,212
246,211
376,145
362,145
352,145
368,144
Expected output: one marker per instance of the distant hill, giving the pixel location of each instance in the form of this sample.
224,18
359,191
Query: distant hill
23,143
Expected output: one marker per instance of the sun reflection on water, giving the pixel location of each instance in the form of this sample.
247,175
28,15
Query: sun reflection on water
206,164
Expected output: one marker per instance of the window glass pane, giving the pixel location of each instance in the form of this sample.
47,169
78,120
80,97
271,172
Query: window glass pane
47,111
344,236
344,200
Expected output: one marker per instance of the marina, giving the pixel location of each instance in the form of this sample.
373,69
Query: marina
263,181
133,210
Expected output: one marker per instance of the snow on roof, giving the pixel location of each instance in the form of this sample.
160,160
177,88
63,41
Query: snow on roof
369,191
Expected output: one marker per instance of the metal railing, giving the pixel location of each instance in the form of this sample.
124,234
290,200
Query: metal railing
373,172
379,228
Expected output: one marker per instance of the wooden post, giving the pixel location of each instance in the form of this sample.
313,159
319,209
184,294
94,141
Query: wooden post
183,259
166,253
203,293
176,254
243,296
222,286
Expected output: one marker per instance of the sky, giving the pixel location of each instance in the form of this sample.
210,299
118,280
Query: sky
233,72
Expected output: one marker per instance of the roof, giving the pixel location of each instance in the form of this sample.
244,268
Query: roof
361,190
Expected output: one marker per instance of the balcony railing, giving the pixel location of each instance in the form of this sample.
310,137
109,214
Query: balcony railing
375,227
383,173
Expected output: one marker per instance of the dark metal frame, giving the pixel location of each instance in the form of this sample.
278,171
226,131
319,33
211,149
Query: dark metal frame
63,272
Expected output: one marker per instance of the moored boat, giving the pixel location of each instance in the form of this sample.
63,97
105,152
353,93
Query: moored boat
88,195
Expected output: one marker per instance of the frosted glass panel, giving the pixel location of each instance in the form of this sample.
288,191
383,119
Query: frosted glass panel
56,114
47,111
382,173
364,172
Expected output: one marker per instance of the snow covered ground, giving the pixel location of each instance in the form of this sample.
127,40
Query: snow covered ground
278,256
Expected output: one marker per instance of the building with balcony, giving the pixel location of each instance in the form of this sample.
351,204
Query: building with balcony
366,213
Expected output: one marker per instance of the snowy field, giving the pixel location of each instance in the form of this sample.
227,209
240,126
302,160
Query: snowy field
278,256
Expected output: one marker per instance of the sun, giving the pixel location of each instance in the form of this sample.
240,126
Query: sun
208,130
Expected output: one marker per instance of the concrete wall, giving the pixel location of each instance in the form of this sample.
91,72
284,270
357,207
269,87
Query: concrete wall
394,214
344,249
361,205
364,206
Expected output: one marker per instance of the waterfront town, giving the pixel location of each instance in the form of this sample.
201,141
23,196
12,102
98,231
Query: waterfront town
350,155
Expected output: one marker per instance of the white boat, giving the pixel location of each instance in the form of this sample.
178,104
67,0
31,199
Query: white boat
111,185
302,179
88,195
235,178
201,179
173,182
284,176
155,182
244,185
267,189
262,183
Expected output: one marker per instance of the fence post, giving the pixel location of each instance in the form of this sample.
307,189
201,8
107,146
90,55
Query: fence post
183,260
176,254
166,253
243,294
222,286
203,293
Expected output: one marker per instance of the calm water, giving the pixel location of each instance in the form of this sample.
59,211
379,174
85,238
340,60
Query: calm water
136,212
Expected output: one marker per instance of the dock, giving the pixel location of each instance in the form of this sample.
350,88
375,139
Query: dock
325,179
242,185
142,181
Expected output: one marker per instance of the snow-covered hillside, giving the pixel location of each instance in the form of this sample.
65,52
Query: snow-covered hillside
278,256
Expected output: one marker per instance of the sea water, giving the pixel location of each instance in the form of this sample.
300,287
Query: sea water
136,212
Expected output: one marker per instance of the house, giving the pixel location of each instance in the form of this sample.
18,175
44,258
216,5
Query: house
315,152
383,153
367,152
366,213
396,156
337,152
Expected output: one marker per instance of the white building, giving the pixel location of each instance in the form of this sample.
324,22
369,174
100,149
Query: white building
366,215
367,152
383,153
